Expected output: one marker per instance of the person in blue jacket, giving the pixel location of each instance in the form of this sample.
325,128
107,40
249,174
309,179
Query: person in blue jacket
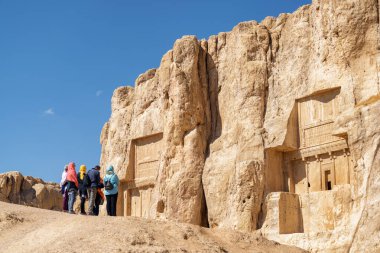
111,185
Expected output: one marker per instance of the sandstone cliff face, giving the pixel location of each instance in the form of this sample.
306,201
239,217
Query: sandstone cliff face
233,174
17,189
171,102
272,125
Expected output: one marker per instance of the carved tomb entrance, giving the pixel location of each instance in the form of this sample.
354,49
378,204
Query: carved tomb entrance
145,157
311,160
322,160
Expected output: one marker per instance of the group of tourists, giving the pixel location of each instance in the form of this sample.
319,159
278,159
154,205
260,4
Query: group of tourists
89,185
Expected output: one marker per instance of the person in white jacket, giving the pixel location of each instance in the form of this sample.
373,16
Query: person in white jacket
63,189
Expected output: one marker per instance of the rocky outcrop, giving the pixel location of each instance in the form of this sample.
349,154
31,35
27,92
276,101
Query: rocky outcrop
270,123
17,189
172,102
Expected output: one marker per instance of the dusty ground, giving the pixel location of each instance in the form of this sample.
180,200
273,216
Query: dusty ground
28,229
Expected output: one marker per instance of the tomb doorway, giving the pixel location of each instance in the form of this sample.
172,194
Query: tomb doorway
145,158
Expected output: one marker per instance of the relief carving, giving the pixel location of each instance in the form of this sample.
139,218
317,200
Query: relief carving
316,117
147,155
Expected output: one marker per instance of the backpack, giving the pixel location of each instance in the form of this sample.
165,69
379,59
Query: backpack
108,185
86,181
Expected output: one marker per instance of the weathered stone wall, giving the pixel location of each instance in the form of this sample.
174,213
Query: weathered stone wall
233,174
17,189
226,105
172,100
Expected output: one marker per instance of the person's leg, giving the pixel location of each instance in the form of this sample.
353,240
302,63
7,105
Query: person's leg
112,200
74,198
113,204
71,201
82,200
90,197
97,202
65,202
96,209
91,200
109,199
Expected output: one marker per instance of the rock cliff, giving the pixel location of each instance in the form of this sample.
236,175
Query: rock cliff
270,126
29,191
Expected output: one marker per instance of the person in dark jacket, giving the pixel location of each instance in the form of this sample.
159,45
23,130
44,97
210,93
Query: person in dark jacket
82,188
94,177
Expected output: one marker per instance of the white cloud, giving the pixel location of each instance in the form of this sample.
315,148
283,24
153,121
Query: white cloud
99,93
49,111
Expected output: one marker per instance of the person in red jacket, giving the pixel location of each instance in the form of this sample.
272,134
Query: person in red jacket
72,186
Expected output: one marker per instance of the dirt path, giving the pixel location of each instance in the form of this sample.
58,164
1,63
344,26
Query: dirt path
27,229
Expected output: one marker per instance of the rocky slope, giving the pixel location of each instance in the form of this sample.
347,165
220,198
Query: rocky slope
17,189
195,140
26,229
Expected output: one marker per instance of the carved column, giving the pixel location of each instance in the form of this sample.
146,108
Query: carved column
332,158
319,161
346,153
307,163
290,176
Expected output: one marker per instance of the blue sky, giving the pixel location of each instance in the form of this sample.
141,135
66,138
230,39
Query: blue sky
61,60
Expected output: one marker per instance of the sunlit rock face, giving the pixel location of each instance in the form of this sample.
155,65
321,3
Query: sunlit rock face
17,189
270,126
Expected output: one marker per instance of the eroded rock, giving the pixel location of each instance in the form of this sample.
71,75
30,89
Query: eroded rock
272,125
17,189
